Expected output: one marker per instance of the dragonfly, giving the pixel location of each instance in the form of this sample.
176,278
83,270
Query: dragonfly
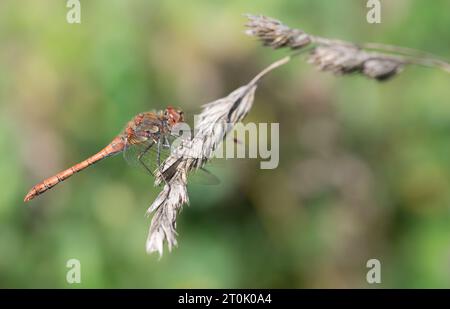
139,138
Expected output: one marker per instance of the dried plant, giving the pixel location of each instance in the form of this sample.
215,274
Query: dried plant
345,59
376,61
275,34
216,120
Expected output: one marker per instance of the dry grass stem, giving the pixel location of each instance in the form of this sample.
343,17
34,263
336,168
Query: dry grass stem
376,61
216,120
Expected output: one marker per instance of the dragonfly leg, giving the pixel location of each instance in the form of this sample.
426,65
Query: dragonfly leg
142,162
166,142
158,161
158,157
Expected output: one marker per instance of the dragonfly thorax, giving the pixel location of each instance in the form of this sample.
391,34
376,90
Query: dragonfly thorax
152,125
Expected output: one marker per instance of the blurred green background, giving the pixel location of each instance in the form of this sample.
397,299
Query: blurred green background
364,167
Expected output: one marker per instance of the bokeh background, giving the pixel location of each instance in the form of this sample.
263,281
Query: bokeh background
364,167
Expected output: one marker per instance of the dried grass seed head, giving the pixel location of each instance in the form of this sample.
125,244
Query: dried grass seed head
382,69
275,34
345,59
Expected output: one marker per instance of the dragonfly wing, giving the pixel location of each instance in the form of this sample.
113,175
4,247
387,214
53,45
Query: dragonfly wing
147,155
202,176
132,152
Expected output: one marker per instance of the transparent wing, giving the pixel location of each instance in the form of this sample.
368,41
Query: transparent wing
132,152
146,156
150,154
202,176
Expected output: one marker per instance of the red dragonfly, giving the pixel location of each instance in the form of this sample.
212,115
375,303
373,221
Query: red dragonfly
143,132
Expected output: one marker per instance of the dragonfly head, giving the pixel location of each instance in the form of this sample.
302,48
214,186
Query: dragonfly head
173,115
